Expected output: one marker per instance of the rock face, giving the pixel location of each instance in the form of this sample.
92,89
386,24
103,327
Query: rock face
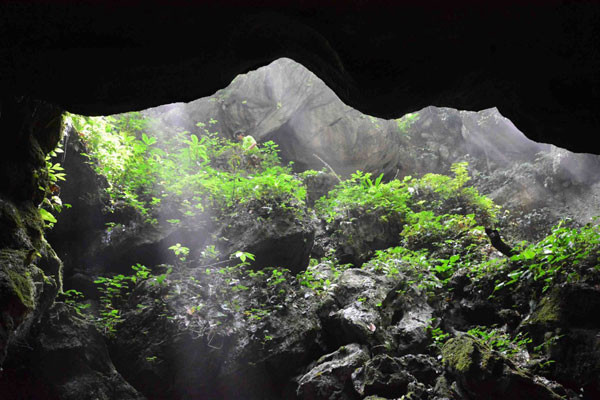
197,344
30,271
256,227
331,376
66,358
563,319
286,103
80,225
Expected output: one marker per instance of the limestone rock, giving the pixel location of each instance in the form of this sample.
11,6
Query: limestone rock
331,376
393,377
483,373
255,228
66,359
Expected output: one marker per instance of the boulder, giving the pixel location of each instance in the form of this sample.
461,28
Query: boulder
393,377
65,358
565,323
355,237
483,373
277,236
353,314
318,185
330,377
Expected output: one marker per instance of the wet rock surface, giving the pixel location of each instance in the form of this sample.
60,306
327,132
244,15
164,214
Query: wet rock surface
63,357
255,228
30,271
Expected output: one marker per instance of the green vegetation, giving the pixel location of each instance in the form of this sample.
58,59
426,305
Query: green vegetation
189,171
438,336
49,178
76,300
557,258
406,121
441,222
432,193
114,292
21,285
360,190
501,341
320,275
176,180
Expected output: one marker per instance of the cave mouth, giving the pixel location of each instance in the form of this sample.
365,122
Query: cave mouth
131,176
326,242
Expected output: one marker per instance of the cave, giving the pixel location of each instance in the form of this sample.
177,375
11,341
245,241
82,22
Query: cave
414,95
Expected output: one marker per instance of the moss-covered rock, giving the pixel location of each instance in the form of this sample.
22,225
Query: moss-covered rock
25,293
548,312
458,354
30,271
16,286
21,285
573,305
483,373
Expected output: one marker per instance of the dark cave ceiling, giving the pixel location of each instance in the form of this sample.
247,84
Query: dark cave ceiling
537,61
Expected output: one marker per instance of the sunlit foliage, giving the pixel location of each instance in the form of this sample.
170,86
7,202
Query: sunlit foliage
190,171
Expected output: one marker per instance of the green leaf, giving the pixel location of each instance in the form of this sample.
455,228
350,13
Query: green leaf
46,216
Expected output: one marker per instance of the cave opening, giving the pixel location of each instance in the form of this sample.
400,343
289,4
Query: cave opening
406,283
194,266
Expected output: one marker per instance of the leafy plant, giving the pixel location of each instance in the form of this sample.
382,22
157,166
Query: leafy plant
556,258
320,281
438,336
180,251
114,292
433,193
191,171
501,341
76,299
49,177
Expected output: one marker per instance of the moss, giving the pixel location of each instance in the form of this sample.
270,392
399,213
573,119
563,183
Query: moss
21,227
468,357
22,287
33,224
15,280
457,354
51,264
548,311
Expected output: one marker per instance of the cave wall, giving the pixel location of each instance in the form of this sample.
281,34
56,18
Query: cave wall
30,271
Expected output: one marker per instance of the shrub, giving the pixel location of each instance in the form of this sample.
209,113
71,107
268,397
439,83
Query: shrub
191,171
567,254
